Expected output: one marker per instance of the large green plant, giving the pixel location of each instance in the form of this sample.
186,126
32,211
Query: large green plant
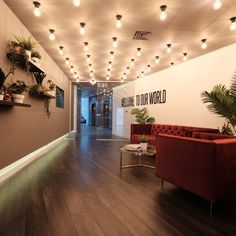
141,116
222,101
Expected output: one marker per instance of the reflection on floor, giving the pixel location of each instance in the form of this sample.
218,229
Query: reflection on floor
77,189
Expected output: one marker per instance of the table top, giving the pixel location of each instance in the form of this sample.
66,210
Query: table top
151,151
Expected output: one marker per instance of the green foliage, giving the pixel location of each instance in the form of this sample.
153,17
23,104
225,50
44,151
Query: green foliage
37,90
18,87
39,77
143,139
141,116
226,129
222,102
26,43
36,54
4,76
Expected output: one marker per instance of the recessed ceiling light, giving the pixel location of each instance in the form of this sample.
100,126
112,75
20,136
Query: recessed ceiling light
61,50
76,3
163,14
37,11
217,4
233,23
204,44
114,43
52,35
132,62
118,21
82,28
139,52
157,60
168,49
185,58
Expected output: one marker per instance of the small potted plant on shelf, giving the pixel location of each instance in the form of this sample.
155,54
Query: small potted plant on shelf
17,89
36,56
27,44
143,142
38,89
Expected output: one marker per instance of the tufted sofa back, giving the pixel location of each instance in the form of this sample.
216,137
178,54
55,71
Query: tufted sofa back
169,129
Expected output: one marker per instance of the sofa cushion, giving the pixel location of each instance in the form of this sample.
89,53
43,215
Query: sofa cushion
168,129
210,136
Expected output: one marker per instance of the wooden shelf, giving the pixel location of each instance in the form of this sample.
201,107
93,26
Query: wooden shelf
6,103
21,61
43,95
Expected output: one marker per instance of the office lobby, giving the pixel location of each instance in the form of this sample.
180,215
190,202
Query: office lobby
72,161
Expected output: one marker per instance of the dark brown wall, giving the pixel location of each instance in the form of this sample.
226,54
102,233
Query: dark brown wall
23,130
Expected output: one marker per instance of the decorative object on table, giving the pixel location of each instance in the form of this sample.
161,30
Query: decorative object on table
222,101
17,89
36,56
143,142
141,116
133,147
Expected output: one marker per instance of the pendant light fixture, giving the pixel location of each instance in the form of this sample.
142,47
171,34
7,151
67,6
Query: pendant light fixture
76,3
217,4
168,49
37,11
185,58
112,55
114,43
118,21
110,64
88,58
67,61
204,44
127,70
75,75
157,60
61,50
107,77
139,52
82,28
172,64
163,14
71,69
52,34
91,73
86,46
233,23
132,62
149,68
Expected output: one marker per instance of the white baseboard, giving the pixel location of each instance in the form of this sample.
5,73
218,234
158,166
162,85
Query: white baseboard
11,169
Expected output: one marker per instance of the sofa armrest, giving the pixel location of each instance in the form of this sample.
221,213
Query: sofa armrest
188,163
225,166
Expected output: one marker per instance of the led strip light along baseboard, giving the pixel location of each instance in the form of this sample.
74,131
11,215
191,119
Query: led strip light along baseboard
11,169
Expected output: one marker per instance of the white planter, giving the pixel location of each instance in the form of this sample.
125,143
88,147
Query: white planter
144,146
1,97
28,53
19,98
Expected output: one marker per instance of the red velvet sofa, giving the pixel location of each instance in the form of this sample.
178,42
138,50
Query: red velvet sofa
152,130
204,165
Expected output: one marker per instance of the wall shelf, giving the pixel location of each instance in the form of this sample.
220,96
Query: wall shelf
7,103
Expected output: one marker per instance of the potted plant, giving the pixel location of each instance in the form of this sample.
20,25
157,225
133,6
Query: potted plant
36,56
222,101
143,142
38,89
3,78
17,89
27,43
141,116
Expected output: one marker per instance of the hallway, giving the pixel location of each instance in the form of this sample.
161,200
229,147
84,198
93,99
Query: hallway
77,189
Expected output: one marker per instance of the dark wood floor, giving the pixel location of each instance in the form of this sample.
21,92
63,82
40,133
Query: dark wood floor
77,189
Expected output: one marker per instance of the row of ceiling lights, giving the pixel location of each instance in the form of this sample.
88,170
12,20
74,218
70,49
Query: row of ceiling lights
163,15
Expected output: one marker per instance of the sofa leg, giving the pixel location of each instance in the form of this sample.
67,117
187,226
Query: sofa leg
162,184
211,208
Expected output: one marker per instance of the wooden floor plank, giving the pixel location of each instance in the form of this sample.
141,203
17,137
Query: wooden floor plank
76,189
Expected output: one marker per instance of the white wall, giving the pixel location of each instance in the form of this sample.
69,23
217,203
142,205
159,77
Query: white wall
183,84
